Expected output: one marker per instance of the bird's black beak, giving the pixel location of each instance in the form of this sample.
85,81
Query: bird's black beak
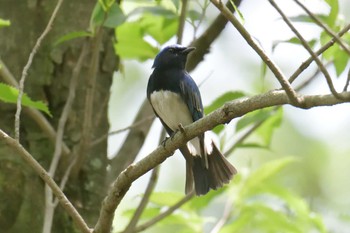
188,50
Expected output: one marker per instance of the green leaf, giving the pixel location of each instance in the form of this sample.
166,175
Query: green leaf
201,202
153,10
182,222
4,23
98,15
253,117
165,198
106,4
130,43
333,14
340,61
115,17
265,131
9,94
265,172
237,11
251,145
221,100
148,213
111,18
194,15
160,28
293,40
71,36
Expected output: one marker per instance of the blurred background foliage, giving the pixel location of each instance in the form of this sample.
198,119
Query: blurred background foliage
290,178
293,165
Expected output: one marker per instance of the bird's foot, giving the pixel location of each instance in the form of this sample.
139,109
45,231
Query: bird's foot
181,128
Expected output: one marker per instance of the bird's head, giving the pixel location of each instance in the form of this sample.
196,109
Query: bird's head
173,56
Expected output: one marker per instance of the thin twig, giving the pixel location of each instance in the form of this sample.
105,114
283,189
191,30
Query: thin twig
307,47
132,126
36,115
307,62
241,139
27,66
181,21
50,206
311,78
66,204
292,95
85,140
144,201
324,26
225,216
347,81
166,213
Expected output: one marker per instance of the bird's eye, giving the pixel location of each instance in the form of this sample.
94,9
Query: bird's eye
171,50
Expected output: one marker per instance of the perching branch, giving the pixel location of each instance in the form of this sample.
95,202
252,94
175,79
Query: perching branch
144,201
292,95
222,115
27,66
136,136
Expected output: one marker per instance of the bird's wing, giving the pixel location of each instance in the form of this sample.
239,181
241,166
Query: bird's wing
192,97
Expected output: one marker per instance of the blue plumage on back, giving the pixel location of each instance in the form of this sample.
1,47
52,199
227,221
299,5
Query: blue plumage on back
176,99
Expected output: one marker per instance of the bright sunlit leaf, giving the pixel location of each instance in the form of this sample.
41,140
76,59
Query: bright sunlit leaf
4,23
9,94
71,36
130,43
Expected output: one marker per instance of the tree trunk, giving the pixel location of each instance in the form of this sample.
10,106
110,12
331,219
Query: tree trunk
21,190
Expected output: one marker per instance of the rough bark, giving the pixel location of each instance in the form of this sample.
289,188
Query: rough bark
22,191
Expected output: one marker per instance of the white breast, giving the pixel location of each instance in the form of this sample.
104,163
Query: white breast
173,111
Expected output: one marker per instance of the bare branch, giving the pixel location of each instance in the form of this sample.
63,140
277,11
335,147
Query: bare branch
347,81
292,95
49,208
204,41
66,204
307,62
166,213
311,78
27,66
132,126
225,216
150,187
324,26
307,47
222,115
133,142
182,19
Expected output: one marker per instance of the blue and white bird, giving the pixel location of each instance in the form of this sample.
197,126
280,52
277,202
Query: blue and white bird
175,99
